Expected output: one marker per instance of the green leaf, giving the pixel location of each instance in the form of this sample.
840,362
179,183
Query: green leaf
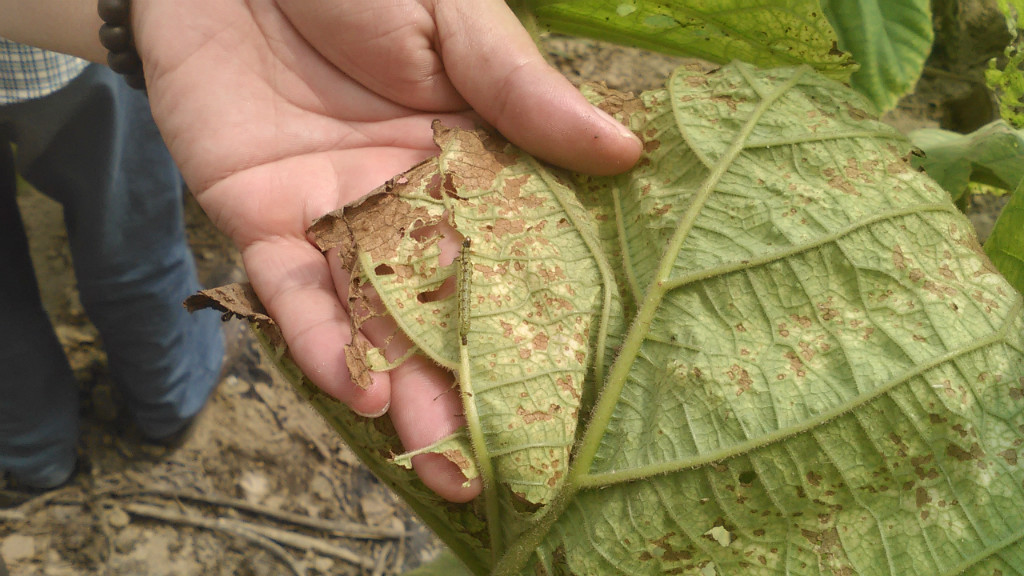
821,372
992,155
1005,246
768,33
890,39
1008,82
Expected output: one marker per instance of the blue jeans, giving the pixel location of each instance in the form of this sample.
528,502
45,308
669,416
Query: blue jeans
93,147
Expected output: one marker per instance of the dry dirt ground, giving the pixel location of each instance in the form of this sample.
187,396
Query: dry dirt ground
264,487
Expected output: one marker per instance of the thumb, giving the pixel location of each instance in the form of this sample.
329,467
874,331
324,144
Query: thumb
494,64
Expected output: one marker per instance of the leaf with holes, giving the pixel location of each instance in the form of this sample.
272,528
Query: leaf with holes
822,373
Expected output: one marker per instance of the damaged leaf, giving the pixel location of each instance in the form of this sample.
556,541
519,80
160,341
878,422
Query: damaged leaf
820,372
456,448
534,296
237,300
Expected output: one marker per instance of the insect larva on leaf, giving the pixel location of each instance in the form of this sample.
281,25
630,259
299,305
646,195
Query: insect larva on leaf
463,281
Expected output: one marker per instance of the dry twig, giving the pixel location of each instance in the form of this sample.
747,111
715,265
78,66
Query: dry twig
291,539
335,527
222,525
12,515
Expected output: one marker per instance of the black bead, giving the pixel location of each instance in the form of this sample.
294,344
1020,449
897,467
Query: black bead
114,11
116,38
124,62
136,81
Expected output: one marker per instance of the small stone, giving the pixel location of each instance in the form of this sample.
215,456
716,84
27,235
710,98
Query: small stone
234,386
255,486
17,547
118,518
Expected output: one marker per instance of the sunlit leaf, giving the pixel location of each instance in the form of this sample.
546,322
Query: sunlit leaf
890,39
766,33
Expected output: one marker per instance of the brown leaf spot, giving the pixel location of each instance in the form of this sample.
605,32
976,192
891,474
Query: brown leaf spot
741,377
795,363
922,497
538,415
503,227
898,260
827,311
459,458
806,351
540,341
803,321
565,383
783,330
962,455
551,274
1017,393
1010,456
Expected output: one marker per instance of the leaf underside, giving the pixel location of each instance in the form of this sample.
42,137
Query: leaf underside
823,373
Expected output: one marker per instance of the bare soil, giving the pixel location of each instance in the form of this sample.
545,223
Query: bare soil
259,451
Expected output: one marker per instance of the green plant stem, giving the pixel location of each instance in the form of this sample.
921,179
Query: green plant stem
483,456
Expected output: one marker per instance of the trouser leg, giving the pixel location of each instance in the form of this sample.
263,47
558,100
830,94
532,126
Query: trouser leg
122,198
38,394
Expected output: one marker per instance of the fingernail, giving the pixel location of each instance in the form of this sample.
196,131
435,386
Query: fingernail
619,127
382,412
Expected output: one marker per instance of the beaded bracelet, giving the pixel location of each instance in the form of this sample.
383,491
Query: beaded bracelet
116,36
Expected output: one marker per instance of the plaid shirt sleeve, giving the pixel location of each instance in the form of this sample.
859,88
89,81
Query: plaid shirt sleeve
27,72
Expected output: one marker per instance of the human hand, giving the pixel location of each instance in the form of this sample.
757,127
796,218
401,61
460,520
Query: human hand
278,112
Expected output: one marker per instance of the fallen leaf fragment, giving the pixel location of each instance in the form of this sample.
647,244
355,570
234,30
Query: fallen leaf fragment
238,300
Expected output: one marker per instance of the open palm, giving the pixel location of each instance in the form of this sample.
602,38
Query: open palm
278,112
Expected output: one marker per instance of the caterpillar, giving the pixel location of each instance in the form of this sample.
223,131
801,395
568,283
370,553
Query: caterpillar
463,283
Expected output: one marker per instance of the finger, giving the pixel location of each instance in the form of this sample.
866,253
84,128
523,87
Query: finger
294,283
495,65
425,407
